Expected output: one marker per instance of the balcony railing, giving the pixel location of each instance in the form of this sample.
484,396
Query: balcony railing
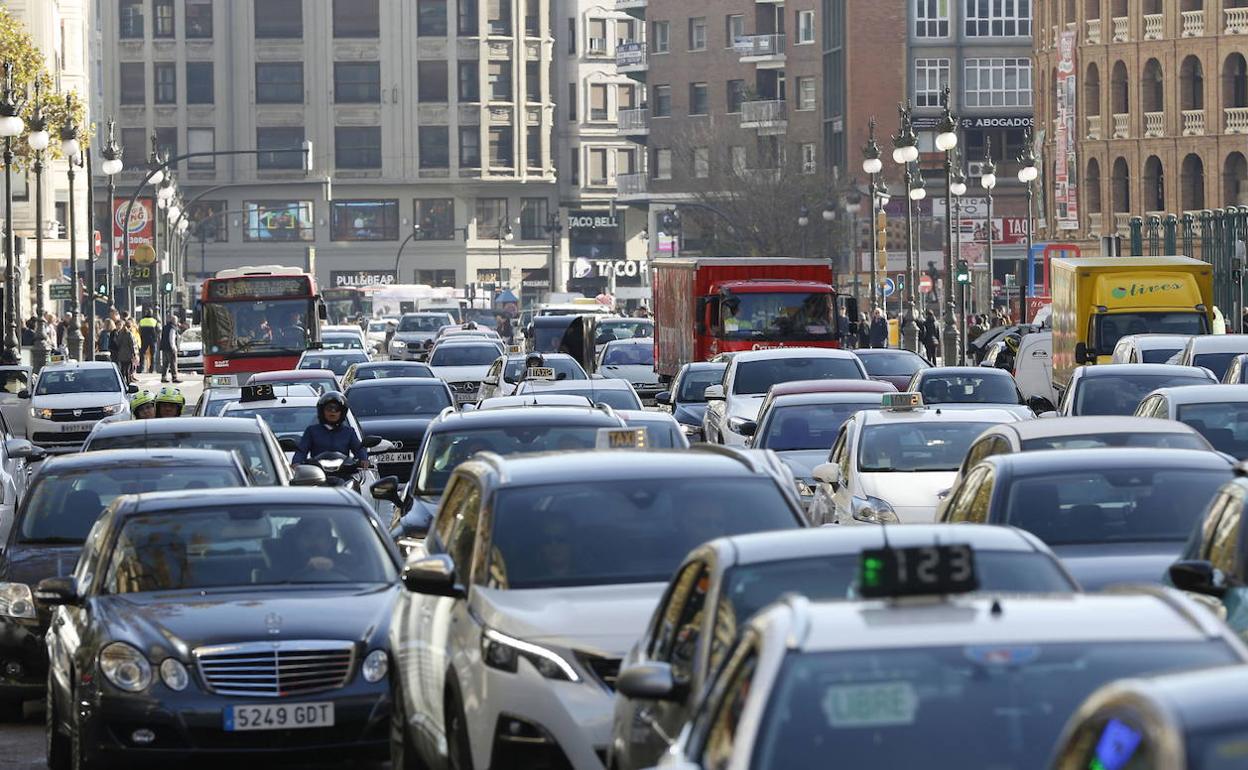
630,184
1193,122
634,121
630,56
1154,124
1193,23
1096,221
1121,123
769,114
758,47
1236,21
1236,119
1152,26
1121,27
1094,31
1122,222
1094,127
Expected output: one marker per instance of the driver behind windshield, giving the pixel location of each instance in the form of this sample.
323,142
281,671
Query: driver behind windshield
331,432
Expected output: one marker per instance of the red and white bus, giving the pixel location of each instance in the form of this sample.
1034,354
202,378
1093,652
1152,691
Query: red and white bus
257,319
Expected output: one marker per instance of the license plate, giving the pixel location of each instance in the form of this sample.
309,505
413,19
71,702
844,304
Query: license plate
464,398
275,716
76,427
396,457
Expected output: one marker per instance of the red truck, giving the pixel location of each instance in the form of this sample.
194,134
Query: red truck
704,306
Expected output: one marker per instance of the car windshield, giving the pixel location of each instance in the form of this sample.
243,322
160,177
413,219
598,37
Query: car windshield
621,531
565,369
901,363
976,388
778,316
64,504
251,447
423,323
55,382
282,420
246,545
260,327
808,426
756,377
623,329
217,399
1224,424
1108,329
616,398
985,705
341,342
548,338
190,335
1099,440
379,327
398,400
629,355
464,355
338,364
1215,362
446,450
662,434
1107,506
693,384
916,446
1157,355
320,386
384,371
1120,394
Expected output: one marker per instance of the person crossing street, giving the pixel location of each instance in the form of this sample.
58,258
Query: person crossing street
169,349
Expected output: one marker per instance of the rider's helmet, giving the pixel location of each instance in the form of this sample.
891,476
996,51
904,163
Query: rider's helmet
170,397
142,405
1012,341
331,397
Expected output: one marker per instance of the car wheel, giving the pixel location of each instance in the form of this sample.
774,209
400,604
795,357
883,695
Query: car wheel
11,710
403,755
57,745
458,745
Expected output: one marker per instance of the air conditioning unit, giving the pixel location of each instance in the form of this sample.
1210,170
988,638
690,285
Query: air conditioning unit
597,45
975,169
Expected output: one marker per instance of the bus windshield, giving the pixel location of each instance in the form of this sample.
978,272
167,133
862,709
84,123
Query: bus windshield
778,316
256,327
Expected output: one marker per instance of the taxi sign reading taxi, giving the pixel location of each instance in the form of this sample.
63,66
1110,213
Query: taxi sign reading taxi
621,438
923,571
539,373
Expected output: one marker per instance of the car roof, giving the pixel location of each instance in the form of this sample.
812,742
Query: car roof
1157,340
631,341
293,374
270,403
616,465
1109,458
79,365
384,365
643,415
1092,425
603,383
1211,393
332,352
831,386
886,352
1123,369
1219,343
425,314
533,399
935,414
175,425
340,332
746,356
228,497
415,382
531,415
698,366
983,371
837,397
138,456
467,341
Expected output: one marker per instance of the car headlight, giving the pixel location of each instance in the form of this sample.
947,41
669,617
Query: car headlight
125,667
111,409
174,675
873,510
804,488
397,344
41,414
16,601
504,652
376,666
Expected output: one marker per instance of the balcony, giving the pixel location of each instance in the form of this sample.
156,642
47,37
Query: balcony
1236,119
1152,26
765,50
1094,31
1154,125
1121,122
1193,122
635,122
1094,127
1193,23
630,5
1121,26
631,57
1236,21
630,184
769,117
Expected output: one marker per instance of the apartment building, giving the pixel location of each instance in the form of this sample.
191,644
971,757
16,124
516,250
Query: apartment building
430,120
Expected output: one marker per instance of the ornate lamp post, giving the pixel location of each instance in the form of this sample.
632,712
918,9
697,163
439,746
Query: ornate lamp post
73,157
39,139
11,103
947,142
872,166
905,152
1027,174
957,186
879,198
988,181
917,192
554,229
803,219
111,167
504,234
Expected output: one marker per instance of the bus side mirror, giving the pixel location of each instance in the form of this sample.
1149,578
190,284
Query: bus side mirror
701,315
321,312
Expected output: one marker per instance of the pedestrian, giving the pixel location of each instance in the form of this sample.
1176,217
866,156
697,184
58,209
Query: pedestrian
847,334
930,335
503,327
123,347
169,349
864,331
879,329
149,330
104,341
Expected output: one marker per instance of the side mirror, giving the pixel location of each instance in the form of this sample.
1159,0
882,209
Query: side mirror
23,394
714,393
20,448
650,681
55,591
433,575
1083,355
307,476
288,443
381,447
743,426
387,489
372,441
663,397
828,473
1199,577
1040,404
131,389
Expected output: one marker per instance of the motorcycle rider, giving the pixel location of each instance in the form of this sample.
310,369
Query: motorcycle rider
143,405
169,402
331,432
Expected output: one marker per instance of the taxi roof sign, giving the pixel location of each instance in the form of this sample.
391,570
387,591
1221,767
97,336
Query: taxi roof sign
932,570
901,402
540,373
621,438
513,349
260,392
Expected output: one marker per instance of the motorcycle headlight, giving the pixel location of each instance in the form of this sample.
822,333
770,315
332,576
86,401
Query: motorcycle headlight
16,601
504,652
376,666
331,466
125,667
111,409
174,674
41,414
873,510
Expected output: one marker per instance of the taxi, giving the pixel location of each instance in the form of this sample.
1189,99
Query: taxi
863,480
921,664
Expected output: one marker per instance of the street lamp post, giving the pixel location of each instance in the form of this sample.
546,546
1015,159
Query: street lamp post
803,219
957,186
879,201
89,343
905,152
554,229
1027,174
947,141
111,167
916,192
11,102
872,166
504,234
988,181
38,139
73,157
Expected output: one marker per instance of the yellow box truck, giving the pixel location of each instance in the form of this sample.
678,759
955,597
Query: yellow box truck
1098,300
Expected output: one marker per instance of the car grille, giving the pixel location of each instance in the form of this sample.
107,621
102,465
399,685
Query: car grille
43,439
276,669
605,670
76,415
415,346
465,387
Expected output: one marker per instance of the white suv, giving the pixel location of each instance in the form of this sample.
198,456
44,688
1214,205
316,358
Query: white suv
69,398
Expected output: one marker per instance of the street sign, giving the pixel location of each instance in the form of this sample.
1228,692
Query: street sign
97,244
888,287
60,291
143,290
925,284
144,254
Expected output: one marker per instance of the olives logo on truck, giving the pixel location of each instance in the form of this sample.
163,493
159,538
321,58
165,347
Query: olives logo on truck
1142,289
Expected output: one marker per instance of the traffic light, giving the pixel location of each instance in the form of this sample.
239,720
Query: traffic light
899,281
101,285
166,283
963,273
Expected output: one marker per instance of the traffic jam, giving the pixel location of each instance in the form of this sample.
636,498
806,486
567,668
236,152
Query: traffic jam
715,533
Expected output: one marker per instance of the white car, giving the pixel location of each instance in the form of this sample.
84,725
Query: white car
889,465
1217,412
508,372
749,376
1147,348
191,350
463,365
1213,351
378,328
69,398
340,329
632,360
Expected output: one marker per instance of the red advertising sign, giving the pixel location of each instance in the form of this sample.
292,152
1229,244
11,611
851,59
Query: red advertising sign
1065,194
1005,230
141,225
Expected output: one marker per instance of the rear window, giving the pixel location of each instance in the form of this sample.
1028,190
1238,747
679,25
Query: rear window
757,377
251,448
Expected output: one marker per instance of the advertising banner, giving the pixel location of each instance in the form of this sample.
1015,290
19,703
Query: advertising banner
1065,195
141,225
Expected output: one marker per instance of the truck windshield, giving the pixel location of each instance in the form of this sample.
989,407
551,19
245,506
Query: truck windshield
778,316
1108,329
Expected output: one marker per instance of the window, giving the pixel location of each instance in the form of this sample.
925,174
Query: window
598,101
431,18
572,36
598,166
356,18
736,95
596,42
469,82
208,219
433,81
533,219
358,82
698,101
278,221
199,82
533,81
660,36
931,18
805,27
625,161
274,139
166,82
134,148
470,147
697,33
623,31
662,101
572,102
662,164
998,18
133,87
626,97
498,13
357,146
501,153
364,220
436,278
930,76
284,18
279,83
736,155
435,147
806,93
499,76
162,18
130,18
435,218
574,166
491,214
166,141
201,140
532,18
808,158
198,19
998,83
467,24
734,27
701,162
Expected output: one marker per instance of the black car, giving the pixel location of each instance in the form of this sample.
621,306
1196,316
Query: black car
687,399
379,370
399,410
244,622
892,365
65,498
337,361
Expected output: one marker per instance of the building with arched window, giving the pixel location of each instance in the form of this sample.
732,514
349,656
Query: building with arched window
1160,110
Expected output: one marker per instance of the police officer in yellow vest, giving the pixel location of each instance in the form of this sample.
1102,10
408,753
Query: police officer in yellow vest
149,330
